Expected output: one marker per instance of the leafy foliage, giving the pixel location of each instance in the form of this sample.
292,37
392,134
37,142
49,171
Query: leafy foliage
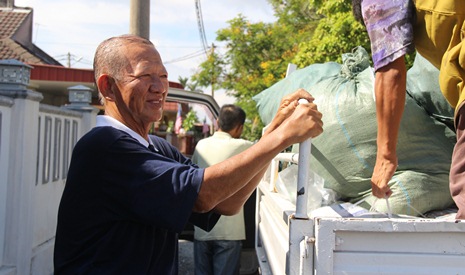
256,57
257,54
189,86
189,121
337,32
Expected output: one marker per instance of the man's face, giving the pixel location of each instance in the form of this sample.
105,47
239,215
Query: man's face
143,87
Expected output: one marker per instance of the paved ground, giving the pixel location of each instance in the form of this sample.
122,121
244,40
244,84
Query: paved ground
186,257
186,260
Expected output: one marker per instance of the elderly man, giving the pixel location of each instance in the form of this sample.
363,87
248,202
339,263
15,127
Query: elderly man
127,197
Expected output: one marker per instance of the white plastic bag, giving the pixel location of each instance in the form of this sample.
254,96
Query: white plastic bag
318,196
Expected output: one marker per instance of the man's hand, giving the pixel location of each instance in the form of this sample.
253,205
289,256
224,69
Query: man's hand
286,108
297,122
228,184
382,174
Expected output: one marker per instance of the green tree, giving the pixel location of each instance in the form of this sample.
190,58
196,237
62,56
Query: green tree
183,81
211,72
337,32
256,57
257,54
189,86
189,121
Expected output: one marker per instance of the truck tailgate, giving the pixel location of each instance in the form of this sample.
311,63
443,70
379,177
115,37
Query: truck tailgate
389,246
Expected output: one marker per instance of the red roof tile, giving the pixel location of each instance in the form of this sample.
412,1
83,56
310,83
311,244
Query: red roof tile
15,37
9,49
11,20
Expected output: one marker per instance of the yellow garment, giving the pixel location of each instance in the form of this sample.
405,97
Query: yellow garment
439,33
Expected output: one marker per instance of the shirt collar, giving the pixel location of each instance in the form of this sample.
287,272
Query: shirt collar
105,120
222,134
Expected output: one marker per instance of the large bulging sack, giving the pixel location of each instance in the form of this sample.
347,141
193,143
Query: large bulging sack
268,101
344,154
423,87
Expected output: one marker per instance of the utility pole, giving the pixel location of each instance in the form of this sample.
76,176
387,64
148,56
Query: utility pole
139,18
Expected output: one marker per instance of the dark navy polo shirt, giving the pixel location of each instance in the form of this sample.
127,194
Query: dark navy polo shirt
124,205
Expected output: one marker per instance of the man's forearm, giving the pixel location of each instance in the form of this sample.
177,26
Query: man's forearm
233,204
390,86
223,180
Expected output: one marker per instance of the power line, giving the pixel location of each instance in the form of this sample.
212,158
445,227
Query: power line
72,59
189,56
203,38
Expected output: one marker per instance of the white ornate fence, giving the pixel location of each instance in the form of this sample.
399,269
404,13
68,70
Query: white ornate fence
36,141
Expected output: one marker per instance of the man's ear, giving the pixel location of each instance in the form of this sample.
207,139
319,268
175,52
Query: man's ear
104,84
240,129
237,131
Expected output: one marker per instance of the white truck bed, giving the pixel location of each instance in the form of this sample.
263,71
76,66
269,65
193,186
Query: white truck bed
328,245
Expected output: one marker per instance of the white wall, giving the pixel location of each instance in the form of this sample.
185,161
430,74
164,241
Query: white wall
5,118
36,142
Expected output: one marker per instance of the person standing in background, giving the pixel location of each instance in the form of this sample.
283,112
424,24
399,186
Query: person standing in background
218,252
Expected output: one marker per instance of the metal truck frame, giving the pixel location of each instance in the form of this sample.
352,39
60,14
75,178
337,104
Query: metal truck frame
289,242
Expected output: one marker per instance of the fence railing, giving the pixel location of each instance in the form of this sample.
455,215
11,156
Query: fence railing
36,142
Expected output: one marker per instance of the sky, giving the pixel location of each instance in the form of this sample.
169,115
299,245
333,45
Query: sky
70,31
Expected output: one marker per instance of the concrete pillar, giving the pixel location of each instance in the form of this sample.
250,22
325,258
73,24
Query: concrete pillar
80,98
139,18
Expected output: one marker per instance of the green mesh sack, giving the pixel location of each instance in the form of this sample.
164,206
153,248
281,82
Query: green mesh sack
423,87
345,153
268,100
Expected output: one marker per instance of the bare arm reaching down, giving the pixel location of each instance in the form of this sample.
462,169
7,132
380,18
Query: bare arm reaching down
390,86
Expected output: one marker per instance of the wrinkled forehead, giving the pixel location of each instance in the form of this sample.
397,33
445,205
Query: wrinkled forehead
142,57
